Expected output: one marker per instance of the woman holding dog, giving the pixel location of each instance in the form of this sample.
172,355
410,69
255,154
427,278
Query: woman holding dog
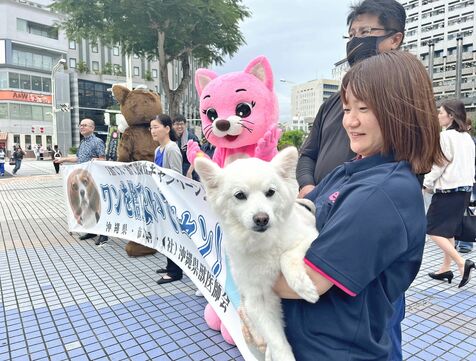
370,214
167,155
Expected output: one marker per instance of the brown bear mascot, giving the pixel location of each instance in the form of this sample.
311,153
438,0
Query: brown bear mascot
138,107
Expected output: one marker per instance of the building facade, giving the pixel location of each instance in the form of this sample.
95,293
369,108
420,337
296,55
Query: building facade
442,34
31,47
306,99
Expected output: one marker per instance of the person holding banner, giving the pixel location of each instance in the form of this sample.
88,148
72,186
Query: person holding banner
167,155
90,148
370,214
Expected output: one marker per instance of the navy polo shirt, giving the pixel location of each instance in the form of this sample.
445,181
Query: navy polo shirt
371,220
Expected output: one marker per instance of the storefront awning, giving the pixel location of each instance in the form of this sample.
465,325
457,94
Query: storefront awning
3,137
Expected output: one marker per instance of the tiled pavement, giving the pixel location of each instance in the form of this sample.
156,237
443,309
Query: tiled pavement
64,299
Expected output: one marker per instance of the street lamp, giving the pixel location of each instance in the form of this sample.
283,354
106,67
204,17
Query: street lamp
60,64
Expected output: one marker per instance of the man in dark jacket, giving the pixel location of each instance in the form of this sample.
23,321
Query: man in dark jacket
179,123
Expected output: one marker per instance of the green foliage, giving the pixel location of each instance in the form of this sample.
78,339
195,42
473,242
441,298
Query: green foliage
148,75
73,150
205,30
81,67
291,138
117,70
107,69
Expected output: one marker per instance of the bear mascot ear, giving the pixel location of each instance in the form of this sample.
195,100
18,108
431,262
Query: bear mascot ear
260,68
120,93
202,78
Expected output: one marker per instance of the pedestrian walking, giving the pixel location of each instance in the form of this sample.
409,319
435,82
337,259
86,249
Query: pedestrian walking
2,162
18,155
56,155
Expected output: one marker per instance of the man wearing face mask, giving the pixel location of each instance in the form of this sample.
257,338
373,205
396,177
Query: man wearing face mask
375,26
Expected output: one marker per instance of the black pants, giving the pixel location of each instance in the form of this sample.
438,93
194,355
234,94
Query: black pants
56,167
173,270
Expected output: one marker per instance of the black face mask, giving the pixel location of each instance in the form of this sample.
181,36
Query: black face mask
362,48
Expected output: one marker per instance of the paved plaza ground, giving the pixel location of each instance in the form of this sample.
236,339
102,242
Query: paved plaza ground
65,299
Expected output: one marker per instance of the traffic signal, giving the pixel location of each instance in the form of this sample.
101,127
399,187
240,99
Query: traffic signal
32,129
42,130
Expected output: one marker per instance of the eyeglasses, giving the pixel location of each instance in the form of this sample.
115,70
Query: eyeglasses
365,31
83,125
179,124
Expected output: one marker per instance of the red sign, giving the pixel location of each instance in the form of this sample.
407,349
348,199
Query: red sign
25,97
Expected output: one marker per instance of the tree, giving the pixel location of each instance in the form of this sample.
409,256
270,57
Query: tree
291,138
167,30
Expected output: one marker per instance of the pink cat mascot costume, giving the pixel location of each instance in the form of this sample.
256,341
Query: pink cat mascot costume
239,113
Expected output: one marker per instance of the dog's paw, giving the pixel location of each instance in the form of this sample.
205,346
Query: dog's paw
304,287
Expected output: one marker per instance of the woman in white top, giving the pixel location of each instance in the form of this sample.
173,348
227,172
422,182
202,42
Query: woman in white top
167,155
452,184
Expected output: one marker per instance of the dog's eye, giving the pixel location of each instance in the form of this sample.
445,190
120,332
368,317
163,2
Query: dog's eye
243,110
211,114
270,192
75,187
240,195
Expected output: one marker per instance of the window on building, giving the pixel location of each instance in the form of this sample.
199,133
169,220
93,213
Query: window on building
46,85
72,63
36,112
16,138
14,80
36,83
95,65
115,51
94,48
3,80
154,73
4,111
37,29
136,71
25,82
38,139
72,44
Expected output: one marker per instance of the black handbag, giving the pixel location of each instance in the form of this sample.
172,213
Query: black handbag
12,161
468,227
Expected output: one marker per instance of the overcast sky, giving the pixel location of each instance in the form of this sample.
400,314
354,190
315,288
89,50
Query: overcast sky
302,39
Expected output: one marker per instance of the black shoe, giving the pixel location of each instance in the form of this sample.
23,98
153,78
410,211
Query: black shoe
468,265
87,236
442,276
102,239
168,280
464,250
161,270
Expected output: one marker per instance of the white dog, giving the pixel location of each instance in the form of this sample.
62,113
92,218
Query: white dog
266,231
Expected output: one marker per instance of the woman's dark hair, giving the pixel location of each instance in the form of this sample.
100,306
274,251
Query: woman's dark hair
396,87
455,108
166,121
391,14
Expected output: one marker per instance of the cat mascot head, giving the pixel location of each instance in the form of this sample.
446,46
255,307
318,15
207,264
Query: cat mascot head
237,108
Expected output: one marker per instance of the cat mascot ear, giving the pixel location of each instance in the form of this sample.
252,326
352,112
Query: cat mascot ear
261,69
202,78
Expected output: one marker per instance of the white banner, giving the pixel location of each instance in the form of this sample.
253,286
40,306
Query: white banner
161,209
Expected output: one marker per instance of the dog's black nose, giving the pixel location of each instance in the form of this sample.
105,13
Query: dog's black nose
222,124
261,219
82,192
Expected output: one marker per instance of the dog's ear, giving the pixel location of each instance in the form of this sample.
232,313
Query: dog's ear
285,162
208,171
